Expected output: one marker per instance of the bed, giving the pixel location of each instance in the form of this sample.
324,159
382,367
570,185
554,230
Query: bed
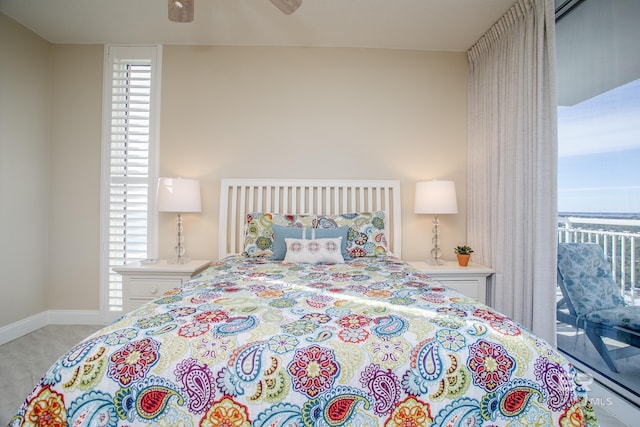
339,332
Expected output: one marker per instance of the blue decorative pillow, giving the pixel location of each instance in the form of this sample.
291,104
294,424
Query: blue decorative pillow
281,232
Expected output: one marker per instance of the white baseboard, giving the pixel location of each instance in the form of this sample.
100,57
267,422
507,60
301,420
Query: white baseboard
22,327
75,317
50,317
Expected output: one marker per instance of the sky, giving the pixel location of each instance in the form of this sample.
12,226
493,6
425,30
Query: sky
599,153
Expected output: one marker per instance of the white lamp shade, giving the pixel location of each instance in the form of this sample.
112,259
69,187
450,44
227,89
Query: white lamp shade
436,197
178,195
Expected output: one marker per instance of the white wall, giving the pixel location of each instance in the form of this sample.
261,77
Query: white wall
74,220
313,113
226,112
25,87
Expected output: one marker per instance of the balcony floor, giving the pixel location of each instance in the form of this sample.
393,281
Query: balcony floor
580,348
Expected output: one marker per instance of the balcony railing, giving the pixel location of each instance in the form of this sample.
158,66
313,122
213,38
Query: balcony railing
620,240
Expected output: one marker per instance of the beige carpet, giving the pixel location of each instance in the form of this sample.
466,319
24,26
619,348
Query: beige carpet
23,362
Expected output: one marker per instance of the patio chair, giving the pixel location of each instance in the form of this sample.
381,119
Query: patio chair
593,301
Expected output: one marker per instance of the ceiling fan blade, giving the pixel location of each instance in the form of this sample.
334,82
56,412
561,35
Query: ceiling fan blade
287,6
181,10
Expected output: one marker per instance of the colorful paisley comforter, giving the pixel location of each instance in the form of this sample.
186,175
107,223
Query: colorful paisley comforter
250,342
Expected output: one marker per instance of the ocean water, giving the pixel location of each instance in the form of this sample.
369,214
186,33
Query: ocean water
603,215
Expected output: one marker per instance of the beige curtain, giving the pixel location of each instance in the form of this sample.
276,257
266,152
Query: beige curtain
512,162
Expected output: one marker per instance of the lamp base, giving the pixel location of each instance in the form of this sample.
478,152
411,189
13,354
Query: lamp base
435,252
435,261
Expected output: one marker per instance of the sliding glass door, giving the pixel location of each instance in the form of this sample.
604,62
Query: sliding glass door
599,163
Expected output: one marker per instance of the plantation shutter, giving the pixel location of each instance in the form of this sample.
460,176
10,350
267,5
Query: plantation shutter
131,171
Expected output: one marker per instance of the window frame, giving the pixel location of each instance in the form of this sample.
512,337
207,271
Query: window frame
153,53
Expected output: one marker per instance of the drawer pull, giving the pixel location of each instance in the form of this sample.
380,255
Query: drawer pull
153,291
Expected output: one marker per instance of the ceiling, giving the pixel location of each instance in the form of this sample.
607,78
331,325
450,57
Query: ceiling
443,25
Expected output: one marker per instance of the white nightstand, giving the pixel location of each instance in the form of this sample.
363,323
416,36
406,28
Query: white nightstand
470,280
142,282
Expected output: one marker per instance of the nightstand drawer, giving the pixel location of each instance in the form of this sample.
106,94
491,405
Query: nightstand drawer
151,287
468,287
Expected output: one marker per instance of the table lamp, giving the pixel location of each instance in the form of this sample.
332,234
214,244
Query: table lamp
436,198
181,196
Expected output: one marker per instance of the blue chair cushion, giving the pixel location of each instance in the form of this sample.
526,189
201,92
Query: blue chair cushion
626,317
587,278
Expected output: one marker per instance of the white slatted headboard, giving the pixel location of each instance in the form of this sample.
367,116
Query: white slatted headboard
239,197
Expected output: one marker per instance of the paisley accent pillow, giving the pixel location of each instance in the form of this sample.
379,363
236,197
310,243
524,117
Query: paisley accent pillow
366,236
314,251
258,232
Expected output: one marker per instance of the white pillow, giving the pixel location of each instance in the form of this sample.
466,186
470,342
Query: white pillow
314,250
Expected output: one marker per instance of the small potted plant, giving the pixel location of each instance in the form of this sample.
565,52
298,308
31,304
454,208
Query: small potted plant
463,253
